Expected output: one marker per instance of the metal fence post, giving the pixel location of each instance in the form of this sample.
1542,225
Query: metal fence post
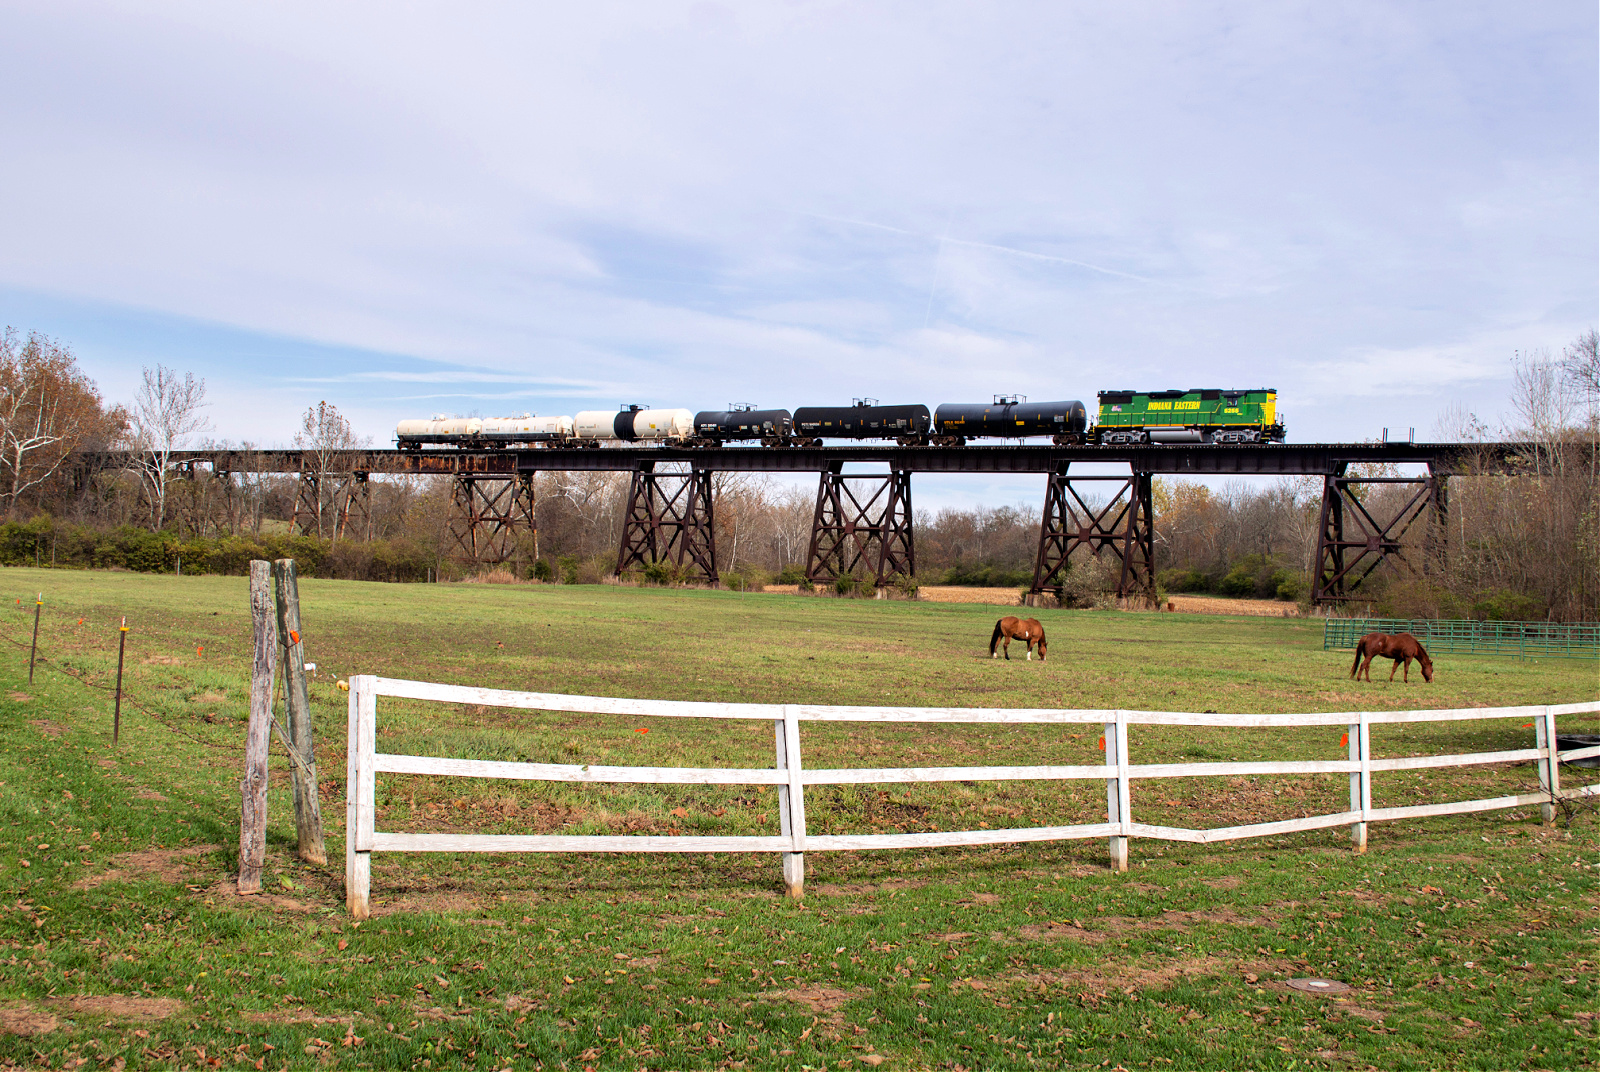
1118,797
791,800
360,794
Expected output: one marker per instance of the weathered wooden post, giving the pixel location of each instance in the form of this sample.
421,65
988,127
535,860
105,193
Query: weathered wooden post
1360,742
116,710
34,652
253,789
1544,736
1118,796
791,801
360,790
307,806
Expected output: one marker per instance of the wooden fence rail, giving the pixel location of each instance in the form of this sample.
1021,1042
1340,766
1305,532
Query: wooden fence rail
791,777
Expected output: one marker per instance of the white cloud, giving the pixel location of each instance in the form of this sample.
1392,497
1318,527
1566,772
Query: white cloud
794,203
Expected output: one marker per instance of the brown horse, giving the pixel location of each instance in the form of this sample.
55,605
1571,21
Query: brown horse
1402,647
1024,629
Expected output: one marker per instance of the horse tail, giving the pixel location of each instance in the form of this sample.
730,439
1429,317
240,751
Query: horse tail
998,633
1360,649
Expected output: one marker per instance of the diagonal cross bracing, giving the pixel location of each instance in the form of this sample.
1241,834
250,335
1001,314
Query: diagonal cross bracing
670,519
862,523
1352,542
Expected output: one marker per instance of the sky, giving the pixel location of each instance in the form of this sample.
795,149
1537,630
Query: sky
407,209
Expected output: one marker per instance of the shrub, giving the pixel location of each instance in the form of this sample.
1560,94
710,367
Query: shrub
1504,605
793,573
1290,586
985,576
1182,580
845,584
1092,583
542,570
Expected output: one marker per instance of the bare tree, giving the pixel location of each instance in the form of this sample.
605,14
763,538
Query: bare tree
324,435
1580,367
47,407
166,412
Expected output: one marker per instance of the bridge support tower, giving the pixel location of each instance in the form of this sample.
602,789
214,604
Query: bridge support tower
863,527
670,520
349,507
1124,526
490,514
1352,541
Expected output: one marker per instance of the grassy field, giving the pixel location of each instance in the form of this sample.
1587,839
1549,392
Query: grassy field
1467,941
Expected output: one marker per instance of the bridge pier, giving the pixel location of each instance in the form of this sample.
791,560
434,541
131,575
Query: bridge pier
670,519
871,529
1125,526
1352,542
489,514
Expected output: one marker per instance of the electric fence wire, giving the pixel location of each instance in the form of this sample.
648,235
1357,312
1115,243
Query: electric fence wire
80,678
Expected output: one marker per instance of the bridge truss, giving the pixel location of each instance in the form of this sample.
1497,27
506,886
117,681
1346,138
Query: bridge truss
863,522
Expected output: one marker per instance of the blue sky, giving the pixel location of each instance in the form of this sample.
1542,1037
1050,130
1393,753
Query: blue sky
411,208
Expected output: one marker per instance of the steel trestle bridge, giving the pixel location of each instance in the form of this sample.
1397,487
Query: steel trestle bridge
863,521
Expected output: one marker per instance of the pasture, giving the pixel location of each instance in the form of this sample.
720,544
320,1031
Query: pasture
1468,941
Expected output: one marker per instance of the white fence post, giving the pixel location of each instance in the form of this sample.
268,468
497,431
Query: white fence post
360,794
791,800
1360,783
1118,797
1544,733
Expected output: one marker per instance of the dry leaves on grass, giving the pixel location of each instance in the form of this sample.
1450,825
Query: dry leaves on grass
165,865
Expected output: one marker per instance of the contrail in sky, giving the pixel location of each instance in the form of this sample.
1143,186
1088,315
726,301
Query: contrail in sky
983,245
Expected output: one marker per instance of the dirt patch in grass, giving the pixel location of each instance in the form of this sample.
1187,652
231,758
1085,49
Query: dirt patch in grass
46,727
148,794
121,1006
295,1016
165,865
160,660
820,1000
833,889
22,697
1102,928
444,902
211,698
22,1019
229,891
1132,978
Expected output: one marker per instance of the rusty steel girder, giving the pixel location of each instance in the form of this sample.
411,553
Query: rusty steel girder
870,529
1124,525
1352,543
670,519
489,516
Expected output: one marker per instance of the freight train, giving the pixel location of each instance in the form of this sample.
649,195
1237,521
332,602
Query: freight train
1201,415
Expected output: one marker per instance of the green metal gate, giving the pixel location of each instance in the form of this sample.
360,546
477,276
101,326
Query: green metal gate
1576,640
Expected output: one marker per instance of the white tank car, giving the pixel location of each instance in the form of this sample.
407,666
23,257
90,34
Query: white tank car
439,426
527,428
634,423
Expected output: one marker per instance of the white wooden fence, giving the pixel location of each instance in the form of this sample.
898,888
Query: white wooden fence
791,778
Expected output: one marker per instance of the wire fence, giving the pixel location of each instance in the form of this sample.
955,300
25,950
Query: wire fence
1526,640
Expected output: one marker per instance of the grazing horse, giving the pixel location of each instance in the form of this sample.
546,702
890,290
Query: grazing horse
1025,629
1402,647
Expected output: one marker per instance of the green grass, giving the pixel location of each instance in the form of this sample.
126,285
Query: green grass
1469,941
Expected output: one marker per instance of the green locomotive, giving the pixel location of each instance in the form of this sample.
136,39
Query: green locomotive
1201,415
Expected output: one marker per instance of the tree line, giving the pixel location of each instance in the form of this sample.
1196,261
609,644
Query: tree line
1523,545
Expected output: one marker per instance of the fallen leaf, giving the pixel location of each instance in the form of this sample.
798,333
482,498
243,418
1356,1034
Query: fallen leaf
682,813
872,1059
